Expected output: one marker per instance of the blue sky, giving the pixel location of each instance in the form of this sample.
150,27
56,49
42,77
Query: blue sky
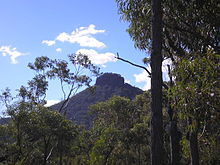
55,28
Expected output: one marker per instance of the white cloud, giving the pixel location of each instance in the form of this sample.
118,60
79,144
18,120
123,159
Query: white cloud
63,37
51,102
12,52
83,36
143,77
48,42
127,81
58,49
98,58
165,68
165,63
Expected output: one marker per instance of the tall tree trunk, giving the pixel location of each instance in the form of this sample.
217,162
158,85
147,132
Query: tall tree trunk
175,134
156,86
175,137
194,150
193,143
19,138
139,154
45,153
60,144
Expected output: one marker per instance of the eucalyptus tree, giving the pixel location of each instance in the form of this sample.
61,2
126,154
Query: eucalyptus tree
112,122
196,96
188,27
35,124
120,131
155,33
75,73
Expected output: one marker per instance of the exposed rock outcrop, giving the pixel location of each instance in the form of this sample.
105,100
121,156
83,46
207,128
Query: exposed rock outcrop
106,86
110,79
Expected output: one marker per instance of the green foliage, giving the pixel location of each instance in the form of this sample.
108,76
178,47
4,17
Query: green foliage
197,87
74,74
120,131
196,99
138,14
191,41
188,26
37,134
77,107
41,136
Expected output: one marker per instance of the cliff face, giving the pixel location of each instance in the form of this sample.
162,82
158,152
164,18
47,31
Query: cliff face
110,79
106,86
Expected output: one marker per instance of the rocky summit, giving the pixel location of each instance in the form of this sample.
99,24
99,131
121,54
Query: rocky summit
110,79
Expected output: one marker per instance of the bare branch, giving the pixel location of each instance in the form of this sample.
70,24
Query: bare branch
136,65
66,100
139,66
48,156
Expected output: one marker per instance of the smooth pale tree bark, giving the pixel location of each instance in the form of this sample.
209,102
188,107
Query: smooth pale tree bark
157,150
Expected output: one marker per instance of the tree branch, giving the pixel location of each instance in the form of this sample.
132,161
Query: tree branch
139,66
136,65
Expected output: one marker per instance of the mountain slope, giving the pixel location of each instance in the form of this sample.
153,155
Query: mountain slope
106,86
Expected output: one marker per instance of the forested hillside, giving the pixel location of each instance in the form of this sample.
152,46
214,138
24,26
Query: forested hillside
106,86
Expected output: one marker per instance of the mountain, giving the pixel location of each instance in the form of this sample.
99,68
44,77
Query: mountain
106,86
4,120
